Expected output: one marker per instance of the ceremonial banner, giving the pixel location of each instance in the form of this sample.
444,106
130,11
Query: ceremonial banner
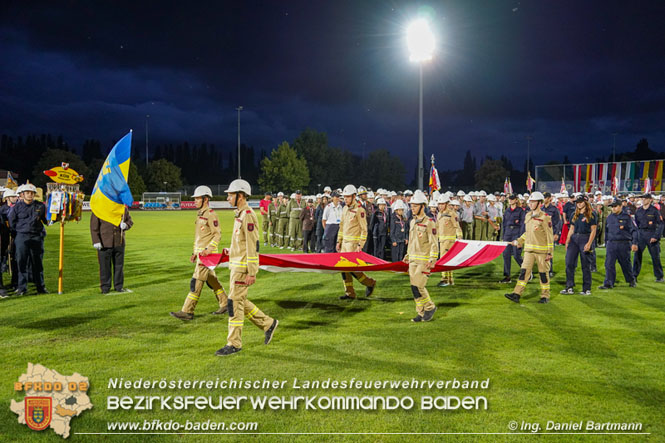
463,254
507,187
590,176
602,176
111,192
530,182
658,176
434,182
630,175
647,186
577,178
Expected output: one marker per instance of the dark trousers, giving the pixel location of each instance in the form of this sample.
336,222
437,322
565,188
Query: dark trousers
380,246
330,237
308,241
397,252
111,257
29,258
617,250
575,249
654,250
319,240
370,245
508,253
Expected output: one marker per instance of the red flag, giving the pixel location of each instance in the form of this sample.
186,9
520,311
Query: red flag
530,182
463,254
563,186
434,182
507,187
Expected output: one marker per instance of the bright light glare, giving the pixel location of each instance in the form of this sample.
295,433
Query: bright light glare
420,40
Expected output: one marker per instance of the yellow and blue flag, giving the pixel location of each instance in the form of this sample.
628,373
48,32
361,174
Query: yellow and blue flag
111,192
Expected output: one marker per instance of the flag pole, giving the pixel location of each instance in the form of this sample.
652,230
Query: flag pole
61,258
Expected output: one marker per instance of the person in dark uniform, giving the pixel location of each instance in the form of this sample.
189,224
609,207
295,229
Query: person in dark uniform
568,211
28,218
650,229
580,243
378,226
551,210
399,231
109,241
308,221
513,228
318,216
620,238
8,240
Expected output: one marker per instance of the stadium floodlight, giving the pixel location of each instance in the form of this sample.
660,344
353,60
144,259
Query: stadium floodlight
420,40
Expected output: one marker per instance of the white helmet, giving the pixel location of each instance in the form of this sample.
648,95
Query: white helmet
455,202
9,193
370,194
201,191
349,190
536,196
29,187
432,203
436,195
327,189
491,198
280,194
399,204
380,201
419,198
408,192
239,185
460,193
482,194
467,198
443,199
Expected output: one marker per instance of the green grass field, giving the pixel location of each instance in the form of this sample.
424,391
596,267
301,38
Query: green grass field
598,357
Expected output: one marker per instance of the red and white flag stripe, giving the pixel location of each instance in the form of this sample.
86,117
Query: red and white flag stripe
463,254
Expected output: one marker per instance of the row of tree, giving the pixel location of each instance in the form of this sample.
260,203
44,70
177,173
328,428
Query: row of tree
307,164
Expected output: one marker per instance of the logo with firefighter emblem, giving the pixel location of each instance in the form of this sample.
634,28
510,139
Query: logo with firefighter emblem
38,412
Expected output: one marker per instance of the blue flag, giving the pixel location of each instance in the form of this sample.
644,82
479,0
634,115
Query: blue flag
111,192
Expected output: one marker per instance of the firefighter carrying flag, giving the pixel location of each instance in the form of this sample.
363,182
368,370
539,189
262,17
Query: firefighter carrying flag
434,182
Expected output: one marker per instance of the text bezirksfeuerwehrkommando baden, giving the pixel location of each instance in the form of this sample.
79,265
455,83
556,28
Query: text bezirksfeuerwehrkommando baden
358,401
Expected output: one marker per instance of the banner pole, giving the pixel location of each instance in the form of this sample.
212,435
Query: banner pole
62,255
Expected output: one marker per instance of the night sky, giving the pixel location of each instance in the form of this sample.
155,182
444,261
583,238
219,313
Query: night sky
568,73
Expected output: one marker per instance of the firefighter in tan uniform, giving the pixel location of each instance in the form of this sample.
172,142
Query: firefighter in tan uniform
351,238
244,265
537,241
206,240
421,256
449,230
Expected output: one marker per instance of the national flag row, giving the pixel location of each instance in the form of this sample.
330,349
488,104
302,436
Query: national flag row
646,176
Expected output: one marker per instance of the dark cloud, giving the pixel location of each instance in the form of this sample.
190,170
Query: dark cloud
568,73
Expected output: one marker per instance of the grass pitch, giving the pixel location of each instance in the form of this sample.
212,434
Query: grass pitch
598,357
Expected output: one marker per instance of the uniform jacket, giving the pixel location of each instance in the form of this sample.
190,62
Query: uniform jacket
307,218
448,225
281,211
513,223
649,222
423,243
379,223
353,226
553,212
243,253
318,217
538,236
28,219
293,209
109,235
207,233
399,228
620,228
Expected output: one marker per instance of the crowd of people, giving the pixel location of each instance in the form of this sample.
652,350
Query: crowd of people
581,222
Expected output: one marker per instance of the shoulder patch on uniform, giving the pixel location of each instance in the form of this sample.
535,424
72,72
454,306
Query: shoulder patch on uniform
250,227
215,222
212,212
434,231
249,211
362,214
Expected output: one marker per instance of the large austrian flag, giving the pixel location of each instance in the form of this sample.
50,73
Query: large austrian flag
463,254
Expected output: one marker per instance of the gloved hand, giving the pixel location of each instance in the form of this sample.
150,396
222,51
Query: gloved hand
97,246
123,225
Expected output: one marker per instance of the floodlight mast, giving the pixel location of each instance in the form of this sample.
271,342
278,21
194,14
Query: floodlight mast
420,41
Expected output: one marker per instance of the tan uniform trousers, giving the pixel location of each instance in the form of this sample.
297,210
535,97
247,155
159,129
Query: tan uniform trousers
444,246
418,275
348,246
283,232
543,271
203,275
273,230
241,308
